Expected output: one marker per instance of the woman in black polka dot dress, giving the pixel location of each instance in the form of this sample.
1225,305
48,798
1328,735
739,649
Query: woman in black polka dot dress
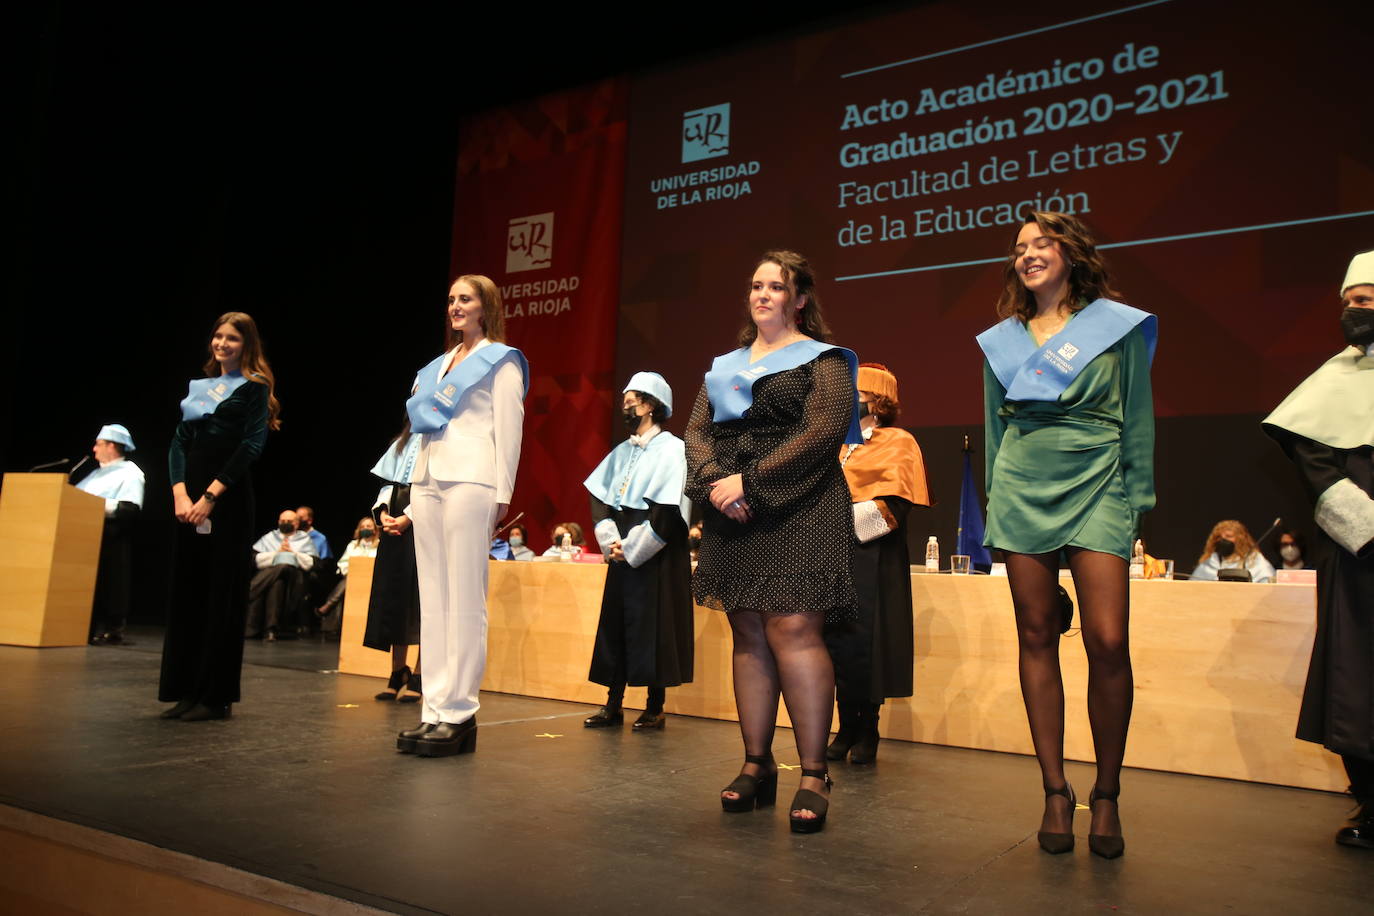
761,450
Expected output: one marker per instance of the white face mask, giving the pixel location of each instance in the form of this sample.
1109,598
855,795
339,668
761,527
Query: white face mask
517,541
1290,552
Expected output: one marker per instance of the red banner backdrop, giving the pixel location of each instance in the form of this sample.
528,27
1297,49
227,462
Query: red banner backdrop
538,209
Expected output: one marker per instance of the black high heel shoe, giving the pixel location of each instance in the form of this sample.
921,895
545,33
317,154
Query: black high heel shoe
413,691
814,802
398,679
753,791
1102,844
448,740
1059,843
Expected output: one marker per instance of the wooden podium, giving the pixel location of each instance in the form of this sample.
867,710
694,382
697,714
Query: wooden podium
49,551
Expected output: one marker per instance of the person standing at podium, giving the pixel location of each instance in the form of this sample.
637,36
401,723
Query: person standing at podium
225,418
119,482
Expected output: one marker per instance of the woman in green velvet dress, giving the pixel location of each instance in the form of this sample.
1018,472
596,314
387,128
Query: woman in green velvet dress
1070,471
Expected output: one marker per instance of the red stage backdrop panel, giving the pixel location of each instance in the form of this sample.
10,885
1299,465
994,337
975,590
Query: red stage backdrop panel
538,209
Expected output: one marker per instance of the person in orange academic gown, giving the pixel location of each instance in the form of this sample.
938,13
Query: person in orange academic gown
873,654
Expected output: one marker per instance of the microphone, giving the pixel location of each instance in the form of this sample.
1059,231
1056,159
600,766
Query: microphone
61,462
78,465
1272,528
509,523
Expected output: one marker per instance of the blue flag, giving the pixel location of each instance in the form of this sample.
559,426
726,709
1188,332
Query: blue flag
970,538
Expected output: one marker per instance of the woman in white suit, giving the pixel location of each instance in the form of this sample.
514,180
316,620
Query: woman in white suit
468,406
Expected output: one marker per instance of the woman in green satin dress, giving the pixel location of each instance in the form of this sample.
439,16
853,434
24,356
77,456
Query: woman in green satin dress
1068,478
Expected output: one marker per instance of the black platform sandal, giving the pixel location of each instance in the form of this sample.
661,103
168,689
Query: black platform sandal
1102,844
398,679
1059,843
753,791
814,802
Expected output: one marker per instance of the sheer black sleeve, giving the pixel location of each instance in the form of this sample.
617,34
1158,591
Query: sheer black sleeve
703,468
799,463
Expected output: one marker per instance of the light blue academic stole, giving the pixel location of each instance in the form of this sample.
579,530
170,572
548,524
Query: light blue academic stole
1031,373
632,477
730,383
204,395
398,468
435,400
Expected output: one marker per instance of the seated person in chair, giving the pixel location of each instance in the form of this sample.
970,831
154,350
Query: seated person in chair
283,557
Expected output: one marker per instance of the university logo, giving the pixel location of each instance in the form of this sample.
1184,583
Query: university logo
1068,351
706,133
529,243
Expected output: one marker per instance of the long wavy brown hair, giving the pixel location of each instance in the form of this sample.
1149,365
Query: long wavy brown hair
253,363
493,311
801,281
1089,278
1245,543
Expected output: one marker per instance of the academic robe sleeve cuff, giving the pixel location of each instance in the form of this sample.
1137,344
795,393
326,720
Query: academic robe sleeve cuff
870,522
111,504
606,535
1346,512
641,545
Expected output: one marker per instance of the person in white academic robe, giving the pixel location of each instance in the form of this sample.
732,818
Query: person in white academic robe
282,557
119,482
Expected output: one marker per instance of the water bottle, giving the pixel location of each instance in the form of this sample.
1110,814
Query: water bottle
932,555
565,551
1137,569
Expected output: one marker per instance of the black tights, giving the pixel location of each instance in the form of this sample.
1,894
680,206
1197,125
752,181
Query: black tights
783,653
1104,613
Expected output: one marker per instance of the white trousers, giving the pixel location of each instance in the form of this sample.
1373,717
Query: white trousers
453,523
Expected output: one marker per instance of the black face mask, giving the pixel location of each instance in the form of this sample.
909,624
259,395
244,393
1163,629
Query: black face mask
367,534
1358,326
631,418
305,524
1225,548
286,528
865,409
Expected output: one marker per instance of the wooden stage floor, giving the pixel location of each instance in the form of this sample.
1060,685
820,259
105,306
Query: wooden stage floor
303,786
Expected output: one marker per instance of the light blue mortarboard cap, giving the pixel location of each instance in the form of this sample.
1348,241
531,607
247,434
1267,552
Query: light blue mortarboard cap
116,432
654,384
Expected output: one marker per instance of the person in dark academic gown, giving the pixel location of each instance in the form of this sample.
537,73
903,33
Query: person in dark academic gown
119,482
1326,426
393,610
644,637
224,422
873,655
